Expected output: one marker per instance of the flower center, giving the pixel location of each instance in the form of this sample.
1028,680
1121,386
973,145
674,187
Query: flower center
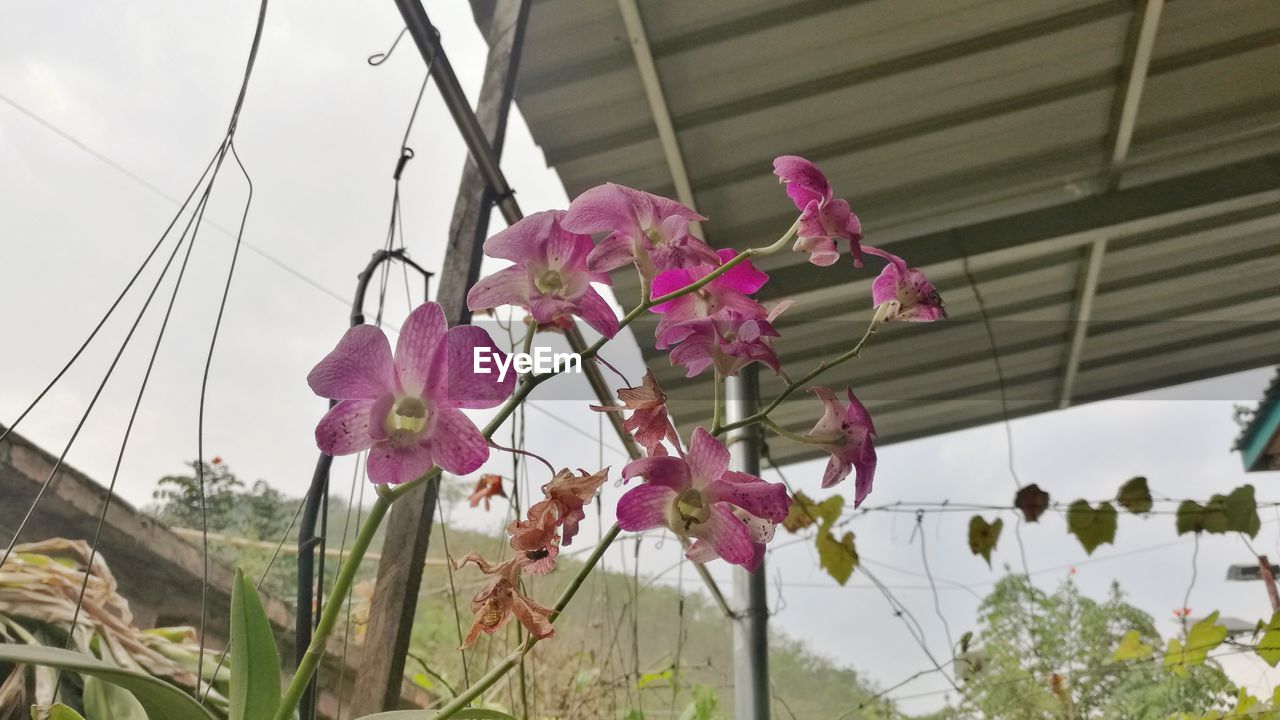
549,282
655,235
409,415
908,296
688,509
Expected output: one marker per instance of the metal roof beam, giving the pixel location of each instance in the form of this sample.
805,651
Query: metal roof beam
658,105
1142,41
1084,309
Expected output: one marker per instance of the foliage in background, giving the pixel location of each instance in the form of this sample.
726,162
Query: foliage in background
1041,656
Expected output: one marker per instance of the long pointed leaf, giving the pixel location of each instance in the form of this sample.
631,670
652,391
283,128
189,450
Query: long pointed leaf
467,714
255,662
162,700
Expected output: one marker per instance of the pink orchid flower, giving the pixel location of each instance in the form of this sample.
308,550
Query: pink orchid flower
846,433
728,342
550,277
726,293
823,218
645,229
696,495
406,409
904,293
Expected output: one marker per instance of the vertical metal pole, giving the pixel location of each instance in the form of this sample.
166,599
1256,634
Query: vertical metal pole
751,628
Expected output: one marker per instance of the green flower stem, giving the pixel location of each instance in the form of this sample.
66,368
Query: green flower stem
493,676
791,387
788,434
329,618
387,496
717,399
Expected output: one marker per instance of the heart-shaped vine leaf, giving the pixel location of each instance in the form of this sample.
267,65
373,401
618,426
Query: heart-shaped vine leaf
1241,510
1032,501
1132,648
983,536
805,512
1135,497
837,557
1203,637
1269,646
1093,527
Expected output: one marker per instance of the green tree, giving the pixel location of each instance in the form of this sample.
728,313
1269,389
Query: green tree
1041,656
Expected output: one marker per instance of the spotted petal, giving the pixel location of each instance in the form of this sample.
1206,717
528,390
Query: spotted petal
644,507
359,368
345,428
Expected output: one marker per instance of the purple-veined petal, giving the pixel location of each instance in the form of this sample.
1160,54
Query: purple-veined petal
508,286
707,458
521,242
743,277
762,499
857,414
595,311
466,387
612,253
669,281
726,534
829,425
549,308
805,182
837,470
420,350
359,368
564,247
345,428
604,207
456,445
866,467
391,464
701,552
644,507
671,472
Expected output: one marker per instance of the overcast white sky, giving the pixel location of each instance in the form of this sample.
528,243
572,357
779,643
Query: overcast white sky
149,84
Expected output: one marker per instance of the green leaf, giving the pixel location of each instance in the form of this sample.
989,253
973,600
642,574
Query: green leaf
635,714
1032,501
983,536
650,678
1269,646
1194,517
1135,497
1241,510
57,711
1131,648
1092,527
105,701
161,700
837,557
255,663
805,512
1203,637
464,714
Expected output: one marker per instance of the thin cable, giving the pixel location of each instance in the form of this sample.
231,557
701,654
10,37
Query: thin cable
133,416
937,601
204,387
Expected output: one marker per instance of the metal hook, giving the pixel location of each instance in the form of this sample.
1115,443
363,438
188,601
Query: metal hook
378,58
406,154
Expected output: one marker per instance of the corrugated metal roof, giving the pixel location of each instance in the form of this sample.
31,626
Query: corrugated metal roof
979,129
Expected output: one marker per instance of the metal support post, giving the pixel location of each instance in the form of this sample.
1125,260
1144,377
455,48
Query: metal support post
751,626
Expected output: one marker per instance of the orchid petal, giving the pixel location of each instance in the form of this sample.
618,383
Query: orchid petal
726,534
391,464
359,368
419,350
762,499
595,311
508,286
345,428
707,458
644,507
456,445
670,472
468,388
